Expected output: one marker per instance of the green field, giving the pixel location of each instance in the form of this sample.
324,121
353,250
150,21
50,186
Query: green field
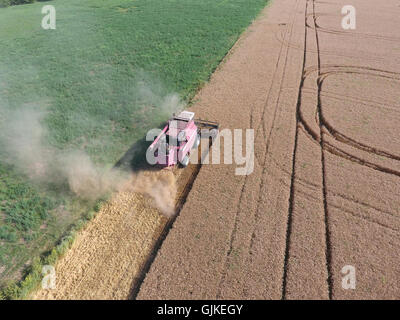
111,70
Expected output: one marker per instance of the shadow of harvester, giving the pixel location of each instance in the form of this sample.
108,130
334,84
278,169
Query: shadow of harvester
134,159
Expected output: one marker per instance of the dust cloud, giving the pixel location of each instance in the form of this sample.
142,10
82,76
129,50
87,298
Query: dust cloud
22,140
23,145
160,187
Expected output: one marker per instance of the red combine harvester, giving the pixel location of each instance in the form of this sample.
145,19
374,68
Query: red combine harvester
181,135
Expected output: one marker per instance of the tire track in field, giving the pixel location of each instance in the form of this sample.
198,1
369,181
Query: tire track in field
323,165
310,4
265,152
268,141
292,180
312,186
343,98
331,70
386,226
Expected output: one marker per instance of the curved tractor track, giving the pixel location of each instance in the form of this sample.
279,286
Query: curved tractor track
322,132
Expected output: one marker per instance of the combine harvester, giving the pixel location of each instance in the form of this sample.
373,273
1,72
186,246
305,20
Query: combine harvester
180,136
